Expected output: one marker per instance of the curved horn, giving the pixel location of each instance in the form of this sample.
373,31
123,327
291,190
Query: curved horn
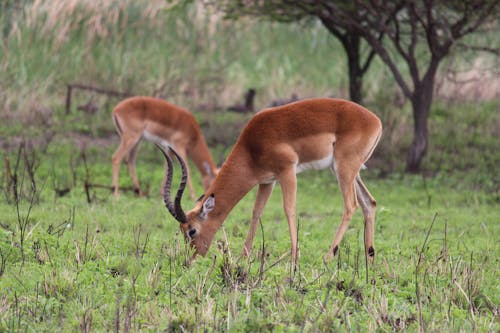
182,186
174,208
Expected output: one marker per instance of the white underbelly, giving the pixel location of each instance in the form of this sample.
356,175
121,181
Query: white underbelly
323,163
316,165
156,139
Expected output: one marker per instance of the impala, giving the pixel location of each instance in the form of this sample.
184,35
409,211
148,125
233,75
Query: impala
275,145
165,124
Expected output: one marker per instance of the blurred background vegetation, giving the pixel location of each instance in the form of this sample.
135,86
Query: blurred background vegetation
187,53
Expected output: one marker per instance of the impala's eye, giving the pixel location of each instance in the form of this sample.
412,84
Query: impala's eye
192,232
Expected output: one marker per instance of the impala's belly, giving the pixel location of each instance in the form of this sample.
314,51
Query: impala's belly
304,153
156,139
316,165
314,152
270,177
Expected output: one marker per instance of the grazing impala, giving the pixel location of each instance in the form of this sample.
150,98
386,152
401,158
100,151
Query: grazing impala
276,144
165,124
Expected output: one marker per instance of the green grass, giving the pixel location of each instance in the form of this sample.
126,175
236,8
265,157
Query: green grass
93,267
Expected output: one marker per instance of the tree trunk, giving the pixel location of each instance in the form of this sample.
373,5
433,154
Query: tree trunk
419,145
355,86
421,101
355,73
351,42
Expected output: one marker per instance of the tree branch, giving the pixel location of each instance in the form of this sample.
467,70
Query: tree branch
494,51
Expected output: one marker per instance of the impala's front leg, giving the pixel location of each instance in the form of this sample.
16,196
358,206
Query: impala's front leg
288,182
263,194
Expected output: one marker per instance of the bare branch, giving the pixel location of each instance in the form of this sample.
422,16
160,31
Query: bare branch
494,51
368,61
108,92
413,44
334,29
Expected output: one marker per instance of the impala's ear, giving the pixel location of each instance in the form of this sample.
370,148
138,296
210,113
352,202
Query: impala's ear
207,207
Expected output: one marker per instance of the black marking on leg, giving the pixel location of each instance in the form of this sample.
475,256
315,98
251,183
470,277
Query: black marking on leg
335,249
137,191
371,251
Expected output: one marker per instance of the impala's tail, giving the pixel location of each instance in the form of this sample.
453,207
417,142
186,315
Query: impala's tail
379,135
117,124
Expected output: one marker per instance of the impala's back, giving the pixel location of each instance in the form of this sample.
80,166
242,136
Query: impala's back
310,134
156,119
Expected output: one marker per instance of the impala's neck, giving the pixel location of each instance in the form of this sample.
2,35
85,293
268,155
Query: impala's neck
200,154
232,183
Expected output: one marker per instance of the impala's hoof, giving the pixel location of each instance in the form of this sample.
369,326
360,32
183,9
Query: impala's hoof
370,255
245,252
328,257
331,253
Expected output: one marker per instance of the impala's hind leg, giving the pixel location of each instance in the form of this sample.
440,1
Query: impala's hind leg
367,203
126,144
132,156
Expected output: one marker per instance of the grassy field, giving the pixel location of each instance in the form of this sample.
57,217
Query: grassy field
122,265
72,260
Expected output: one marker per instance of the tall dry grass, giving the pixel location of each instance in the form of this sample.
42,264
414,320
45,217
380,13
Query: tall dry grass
100,18
188,54
475,81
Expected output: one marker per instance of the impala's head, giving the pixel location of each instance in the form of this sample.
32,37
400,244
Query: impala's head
195,231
